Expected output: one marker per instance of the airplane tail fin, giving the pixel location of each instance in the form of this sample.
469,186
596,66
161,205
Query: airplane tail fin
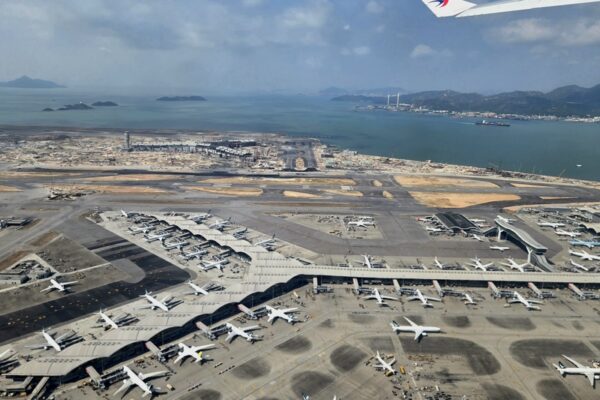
448,8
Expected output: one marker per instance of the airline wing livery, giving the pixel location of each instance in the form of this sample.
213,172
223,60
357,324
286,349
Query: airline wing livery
462,8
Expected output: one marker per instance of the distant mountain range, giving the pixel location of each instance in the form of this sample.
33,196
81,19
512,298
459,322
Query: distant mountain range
26,82
565,101
336,91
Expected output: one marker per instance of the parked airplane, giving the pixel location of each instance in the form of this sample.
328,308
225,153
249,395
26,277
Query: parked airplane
529,304
175,245
8,359
57,344
60,286
114,323
438,264
589,244
368,262
379,297
500,217
584,255
562,232
204,289
477,220
433,230
361,223
385,366
478,238
501,249
201,217
592,373
552,225
478,265
418,295
198,253
420,331
577,265
207,266
266,242
463,8
220,224
242,332
468,299
139,380
157,236
275,313
128,214
141,229
165,304
514,265
192,351
240,233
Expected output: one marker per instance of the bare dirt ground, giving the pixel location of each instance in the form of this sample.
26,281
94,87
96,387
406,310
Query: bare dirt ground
300,195
351,193
4,188
459,200
433,181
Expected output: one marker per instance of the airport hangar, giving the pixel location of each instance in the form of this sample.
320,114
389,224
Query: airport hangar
270,275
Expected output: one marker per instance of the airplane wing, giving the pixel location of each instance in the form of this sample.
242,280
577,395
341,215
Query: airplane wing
49,288
166,299
201,348
179,357
575,363
433,298
370,297
289,310
389,298
151,375
230,336
411,298
591,377
418,334
250,328
410,322
68,283
127,383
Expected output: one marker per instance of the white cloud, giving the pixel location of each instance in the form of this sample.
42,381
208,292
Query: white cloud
356,51
252,3
423,50
346,27
361,50
312,16
524,30
374,7
580,32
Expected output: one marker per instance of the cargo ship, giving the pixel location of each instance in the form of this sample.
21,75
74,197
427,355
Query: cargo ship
491,123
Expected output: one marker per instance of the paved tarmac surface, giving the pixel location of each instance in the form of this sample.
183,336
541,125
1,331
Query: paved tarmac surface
158,275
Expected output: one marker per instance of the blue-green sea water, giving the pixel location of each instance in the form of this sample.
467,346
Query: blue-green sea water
552,148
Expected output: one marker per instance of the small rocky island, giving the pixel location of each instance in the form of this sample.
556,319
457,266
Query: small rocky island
71,107
181,98
82,106
105,104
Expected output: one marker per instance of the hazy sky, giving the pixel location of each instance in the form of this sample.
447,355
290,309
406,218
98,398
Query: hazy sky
224,46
